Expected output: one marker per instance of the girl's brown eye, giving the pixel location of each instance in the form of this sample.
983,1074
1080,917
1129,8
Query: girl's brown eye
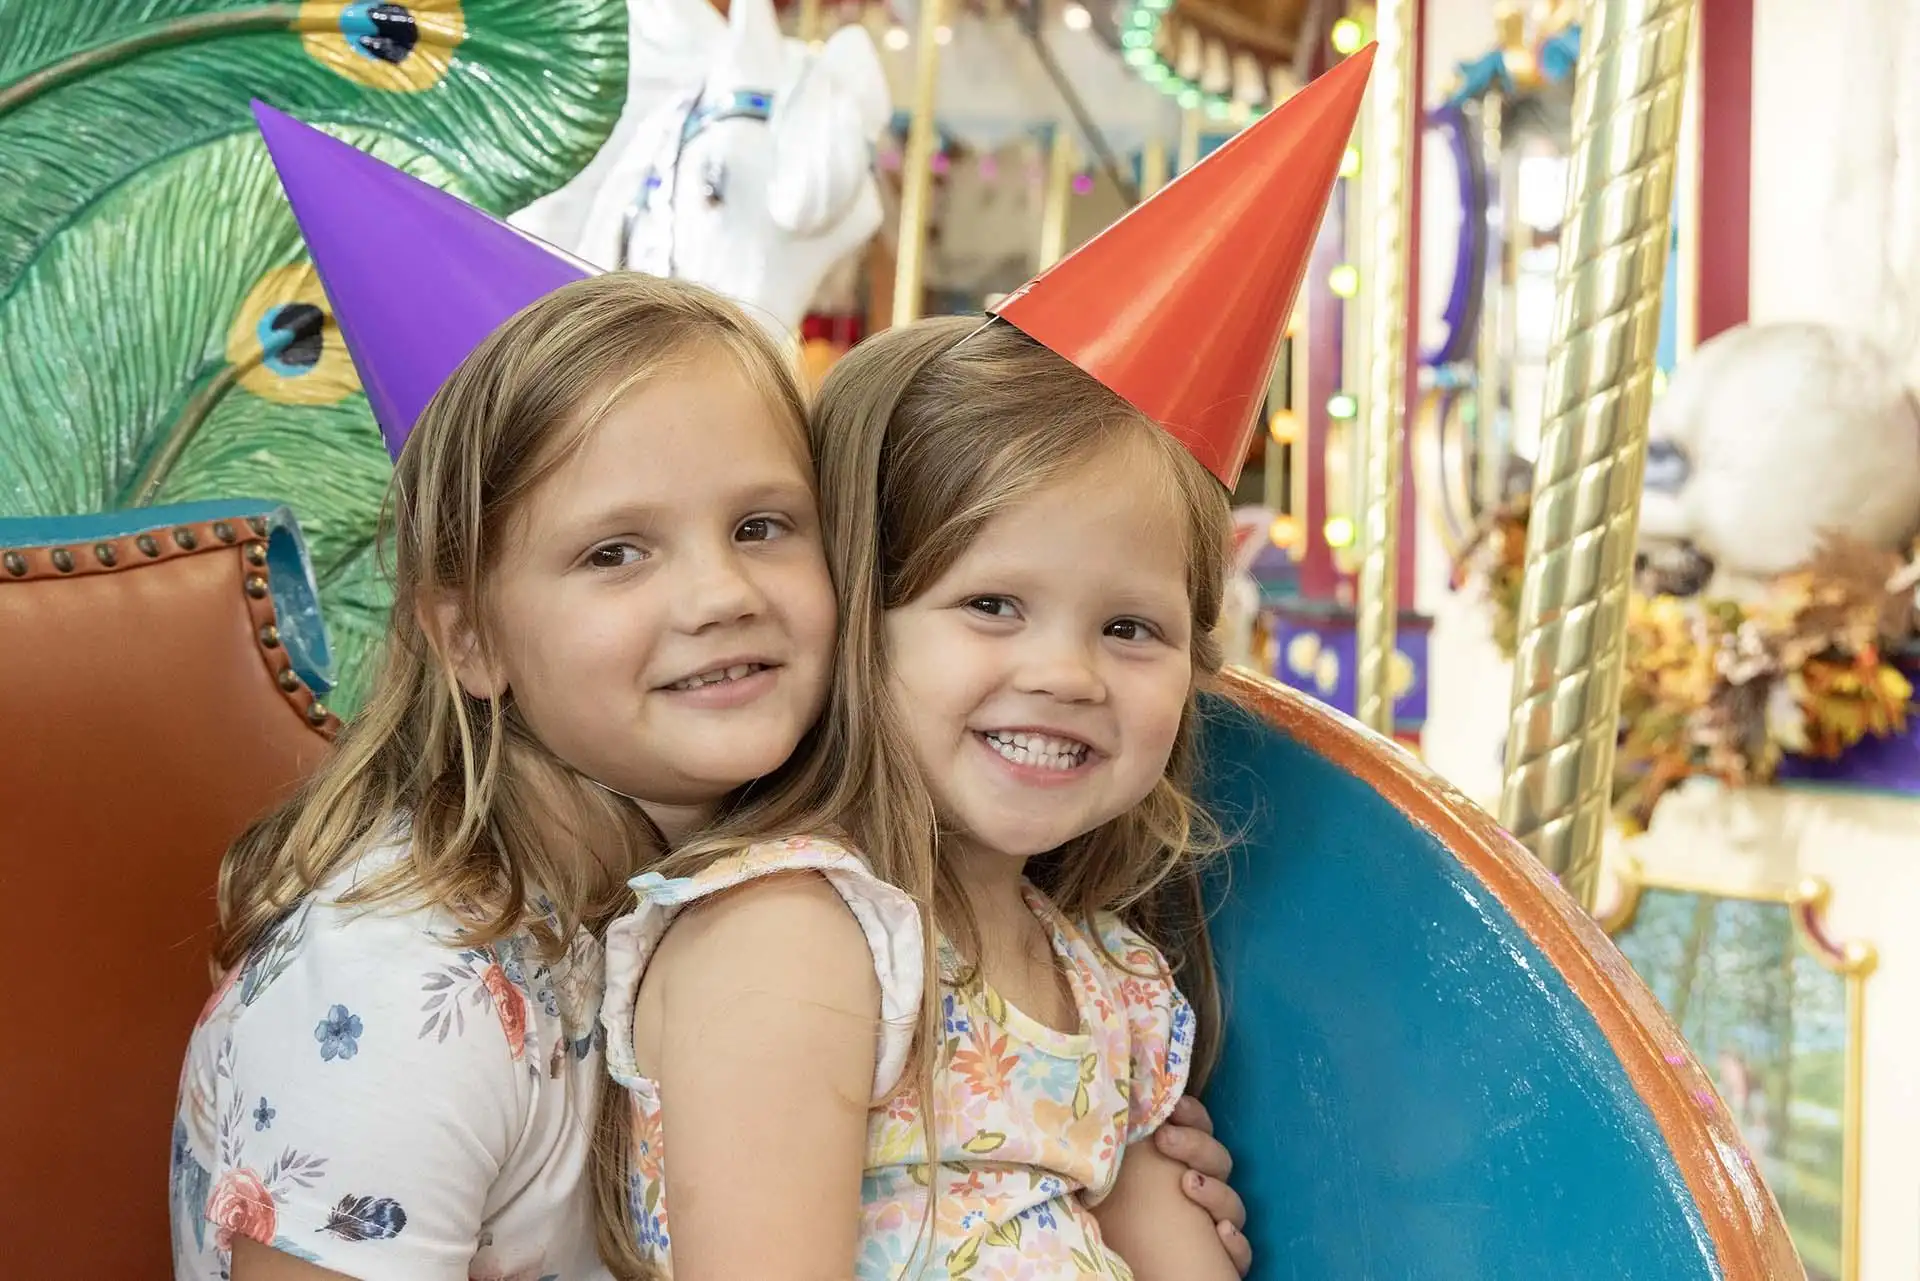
992,606
761,529
615,556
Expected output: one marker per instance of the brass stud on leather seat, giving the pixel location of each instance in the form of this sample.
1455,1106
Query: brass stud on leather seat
256,553
256,586
185,538
147,544
223,531
288,681
258,524
270,636
16,564
62,560
317,713
104,553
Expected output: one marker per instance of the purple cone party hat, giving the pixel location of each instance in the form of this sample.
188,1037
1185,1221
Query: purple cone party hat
417,278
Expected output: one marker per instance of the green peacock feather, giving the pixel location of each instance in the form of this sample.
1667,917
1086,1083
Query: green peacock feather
162,338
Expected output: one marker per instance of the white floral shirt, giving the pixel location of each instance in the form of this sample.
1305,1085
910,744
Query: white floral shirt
365,1094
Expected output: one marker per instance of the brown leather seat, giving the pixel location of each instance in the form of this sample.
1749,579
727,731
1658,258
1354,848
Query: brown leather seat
149,708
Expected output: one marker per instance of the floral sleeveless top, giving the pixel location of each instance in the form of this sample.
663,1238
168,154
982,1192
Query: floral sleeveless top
1032,1123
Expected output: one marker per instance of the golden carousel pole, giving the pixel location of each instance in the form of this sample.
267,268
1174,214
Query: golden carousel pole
1153,167
1056,204
916,169
1491,457
1627,97
1387,176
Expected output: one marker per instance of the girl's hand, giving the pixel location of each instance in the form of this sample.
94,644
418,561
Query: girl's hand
1187,1137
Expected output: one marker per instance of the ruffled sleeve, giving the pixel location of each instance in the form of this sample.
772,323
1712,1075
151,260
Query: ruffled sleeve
1159,1024
888,918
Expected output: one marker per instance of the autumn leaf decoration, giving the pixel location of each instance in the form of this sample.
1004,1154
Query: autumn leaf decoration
1728,689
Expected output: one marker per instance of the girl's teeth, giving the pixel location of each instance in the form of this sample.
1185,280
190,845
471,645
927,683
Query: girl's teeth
733,673
1039,750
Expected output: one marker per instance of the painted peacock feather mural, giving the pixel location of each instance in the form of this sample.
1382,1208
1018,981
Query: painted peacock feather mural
162,336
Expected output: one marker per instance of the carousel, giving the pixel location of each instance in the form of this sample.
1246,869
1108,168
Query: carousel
1461,1042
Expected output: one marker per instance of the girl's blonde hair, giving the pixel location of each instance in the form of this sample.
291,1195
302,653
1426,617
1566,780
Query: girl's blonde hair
922,435
494,816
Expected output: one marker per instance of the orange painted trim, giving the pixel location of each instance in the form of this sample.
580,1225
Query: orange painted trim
1749,1236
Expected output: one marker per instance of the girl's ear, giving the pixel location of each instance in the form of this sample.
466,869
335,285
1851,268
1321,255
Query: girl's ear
444,619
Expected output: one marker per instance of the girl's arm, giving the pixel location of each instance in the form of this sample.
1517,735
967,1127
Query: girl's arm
766,1045
255,1262
1151,1223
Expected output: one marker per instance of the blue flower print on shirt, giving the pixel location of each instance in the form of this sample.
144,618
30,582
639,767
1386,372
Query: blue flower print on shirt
263,1114
887,1257
1042,1215
338,1034
955,1016
1053,1075
1180,1035
649,1231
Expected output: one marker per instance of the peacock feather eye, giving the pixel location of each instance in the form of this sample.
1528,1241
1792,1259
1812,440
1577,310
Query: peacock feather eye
283,344
400,48
291,338
386,32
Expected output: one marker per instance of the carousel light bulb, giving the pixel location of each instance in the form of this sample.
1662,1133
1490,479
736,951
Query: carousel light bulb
1344,280
1140,57
1339,531
1346,36
943,35
1189,97
1341,405
896,38
1350,162
1076,18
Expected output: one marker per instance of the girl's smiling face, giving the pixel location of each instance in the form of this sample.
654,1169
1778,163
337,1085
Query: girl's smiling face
661,614
1042,678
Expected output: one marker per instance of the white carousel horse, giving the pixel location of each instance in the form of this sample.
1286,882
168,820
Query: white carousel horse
742,161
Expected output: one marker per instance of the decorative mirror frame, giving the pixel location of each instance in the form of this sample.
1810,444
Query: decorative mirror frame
1853,961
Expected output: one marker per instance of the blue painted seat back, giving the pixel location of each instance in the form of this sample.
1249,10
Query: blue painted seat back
1435,1067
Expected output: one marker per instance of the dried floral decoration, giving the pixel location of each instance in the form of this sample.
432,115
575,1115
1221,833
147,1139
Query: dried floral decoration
1725,688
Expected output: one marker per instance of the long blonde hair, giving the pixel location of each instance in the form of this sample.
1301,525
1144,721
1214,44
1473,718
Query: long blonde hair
920,439
494,816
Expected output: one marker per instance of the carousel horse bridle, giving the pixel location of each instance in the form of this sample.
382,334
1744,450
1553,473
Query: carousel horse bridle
695,118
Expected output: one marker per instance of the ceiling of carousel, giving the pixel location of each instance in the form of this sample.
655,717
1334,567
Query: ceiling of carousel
1233,57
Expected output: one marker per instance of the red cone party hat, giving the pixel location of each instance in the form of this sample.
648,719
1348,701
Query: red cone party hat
1181,306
